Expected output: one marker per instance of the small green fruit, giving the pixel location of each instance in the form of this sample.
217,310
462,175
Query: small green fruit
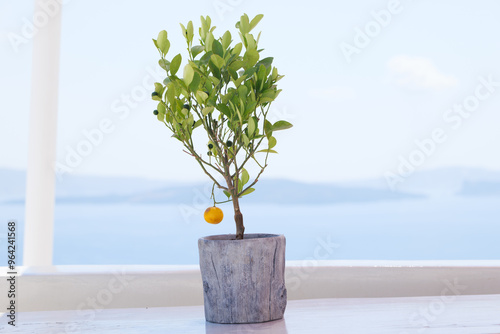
210,146
209,153
154,94
229,143
155,112
187,106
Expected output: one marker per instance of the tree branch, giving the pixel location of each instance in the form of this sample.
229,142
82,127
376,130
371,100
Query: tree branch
254,181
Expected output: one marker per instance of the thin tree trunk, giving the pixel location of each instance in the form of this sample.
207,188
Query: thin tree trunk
238,218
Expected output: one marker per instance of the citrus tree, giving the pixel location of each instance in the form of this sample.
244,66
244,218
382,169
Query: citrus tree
224,91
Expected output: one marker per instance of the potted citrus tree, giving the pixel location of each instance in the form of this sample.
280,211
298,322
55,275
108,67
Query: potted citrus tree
215,100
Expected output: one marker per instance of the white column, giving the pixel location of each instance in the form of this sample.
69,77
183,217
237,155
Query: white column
40,182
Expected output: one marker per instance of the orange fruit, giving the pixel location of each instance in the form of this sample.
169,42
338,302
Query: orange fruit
213,215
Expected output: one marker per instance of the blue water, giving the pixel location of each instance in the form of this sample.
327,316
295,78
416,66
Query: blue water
439,229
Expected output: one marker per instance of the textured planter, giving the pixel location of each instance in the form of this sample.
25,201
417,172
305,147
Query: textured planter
243,280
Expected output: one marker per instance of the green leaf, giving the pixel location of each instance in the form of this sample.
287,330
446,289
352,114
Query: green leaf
214,69
160,117
261,76
158,88
197,124
161,108
165,64
246,141
272,142
207,110
266,62
184,31
207,87
233,73
248,191
242,92
171,94
224,109
252,125
268,128
231,92
250,107
184,111
217,48
238,82
189,31
226,40
250,58
267,151
245,177
206,58
243,39
190,122
201,96
214,80
274,76
217,60
175,64
209,42
227,194
240,187
269,95
249,72
251,43
244,24
281,125
241,110
162,41
237,49
193,86
195,50
188,74
205,26
255,21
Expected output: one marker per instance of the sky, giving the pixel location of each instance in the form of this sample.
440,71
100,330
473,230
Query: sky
373,88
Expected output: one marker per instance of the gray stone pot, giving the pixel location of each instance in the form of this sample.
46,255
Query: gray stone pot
243,280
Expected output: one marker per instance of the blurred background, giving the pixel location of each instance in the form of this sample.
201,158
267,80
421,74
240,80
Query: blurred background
393,154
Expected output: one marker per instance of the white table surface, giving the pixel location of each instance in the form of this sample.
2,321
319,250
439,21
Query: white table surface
478,314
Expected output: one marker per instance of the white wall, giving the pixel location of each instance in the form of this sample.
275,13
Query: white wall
95,287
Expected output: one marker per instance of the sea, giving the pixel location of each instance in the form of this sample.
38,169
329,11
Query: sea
446,228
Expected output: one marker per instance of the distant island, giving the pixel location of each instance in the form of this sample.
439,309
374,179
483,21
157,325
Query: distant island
96,189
